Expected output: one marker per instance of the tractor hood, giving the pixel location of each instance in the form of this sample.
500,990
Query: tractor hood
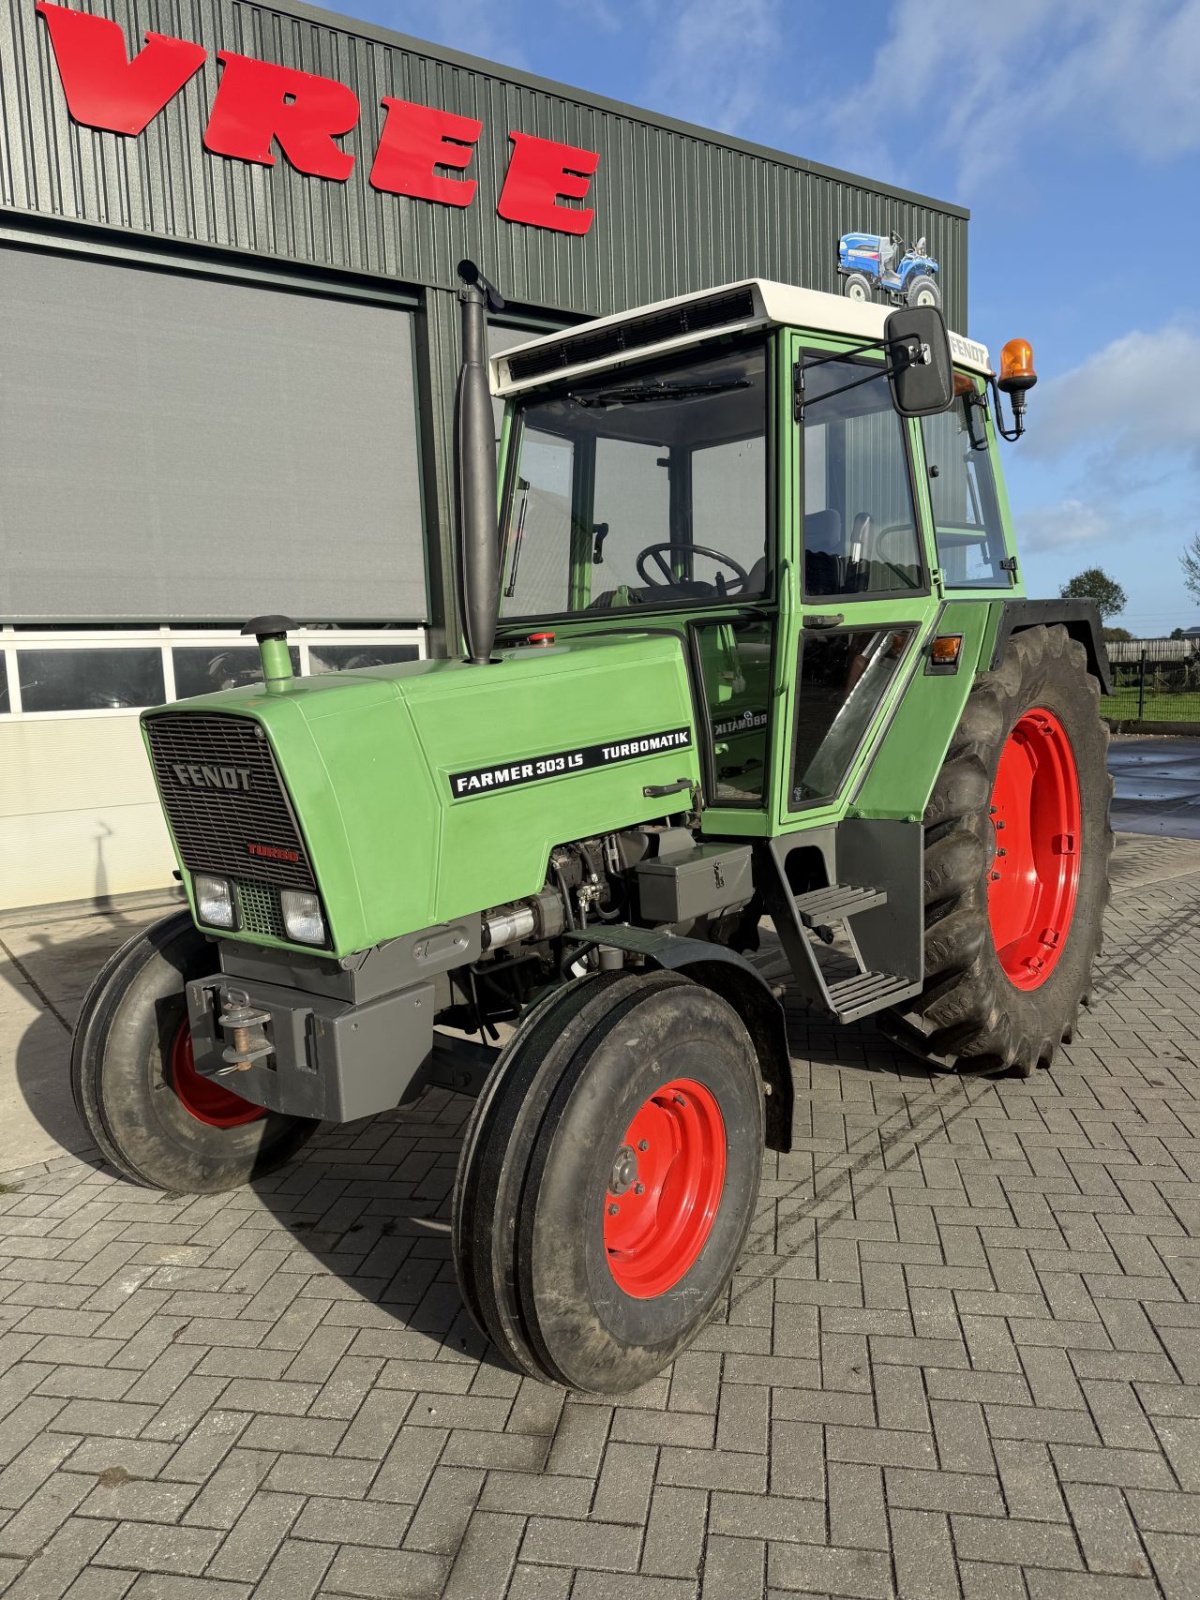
427,791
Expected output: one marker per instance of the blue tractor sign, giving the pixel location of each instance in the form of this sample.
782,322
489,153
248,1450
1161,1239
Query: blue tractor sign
870,261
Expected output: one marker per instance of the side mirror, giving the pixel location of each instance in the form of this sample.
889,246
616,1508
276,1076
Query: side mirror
919,366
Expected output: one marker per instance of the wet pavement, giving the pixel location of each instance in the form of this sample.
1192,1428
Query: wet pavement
1157,786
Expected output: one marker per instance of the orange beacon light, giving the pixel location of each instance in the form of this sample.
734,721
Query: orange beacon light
1016,367
1016,379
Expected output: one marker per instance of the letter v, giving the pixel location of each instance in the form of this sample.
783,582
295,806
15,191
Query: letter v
104,86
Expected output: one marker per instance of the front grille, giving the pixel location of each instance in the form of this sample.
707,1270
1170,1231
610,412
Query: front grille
259,910
695,316
223,794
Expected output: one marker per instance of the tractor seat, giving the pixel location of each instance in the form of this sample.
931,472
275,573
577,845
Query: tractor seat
824,554
756,581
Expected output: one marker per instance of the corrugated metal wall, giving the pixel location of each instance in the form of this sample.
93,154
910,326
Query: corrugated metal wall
674,212
676,208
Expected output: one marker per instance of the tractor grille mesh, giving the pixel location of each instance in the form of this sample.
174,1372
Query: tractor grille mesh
697,316
258,905
223,793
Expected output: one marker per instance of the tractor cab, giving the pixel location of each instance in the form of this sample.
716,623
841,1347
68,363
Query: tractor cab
735,469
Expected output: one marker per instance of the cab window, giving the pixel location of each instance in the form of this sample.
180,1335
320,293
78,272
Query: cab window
962,492
860,529
643,488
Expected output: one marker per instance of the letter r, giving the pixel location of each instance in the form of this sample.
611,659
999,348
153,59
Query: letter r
258,103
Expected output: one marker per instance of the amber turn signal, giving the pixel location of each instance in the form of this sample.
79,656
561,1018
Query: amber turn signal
944,650
1016,366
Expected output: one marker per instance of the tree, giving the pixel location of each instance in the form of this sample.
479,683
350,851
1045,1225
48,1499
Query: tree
1095,584
1190,562
1116,635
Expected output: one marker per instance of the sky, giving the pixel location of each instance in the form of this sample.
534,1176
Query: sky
1069,128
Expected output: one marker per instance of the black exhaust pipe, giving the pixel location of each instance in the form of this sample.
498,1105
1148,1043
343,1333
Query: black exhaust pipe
475,447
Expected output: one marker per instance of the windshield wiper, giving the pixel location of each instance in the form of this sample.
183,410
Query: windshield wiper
640,394
523,487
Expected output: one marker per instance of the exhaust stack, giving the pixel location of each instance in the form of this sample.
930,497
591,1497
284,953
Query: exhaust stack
475,448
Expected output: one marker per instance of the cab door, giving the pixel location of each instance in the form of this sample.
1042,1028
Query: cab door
865,589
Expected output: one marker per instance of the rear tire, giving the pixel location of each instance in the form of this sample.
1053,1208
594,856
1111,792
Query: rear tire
1013,913
923,291
616,1081
153,1117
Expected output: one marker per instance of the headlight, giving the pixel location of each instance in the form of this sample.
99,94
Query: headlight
214,901
302,916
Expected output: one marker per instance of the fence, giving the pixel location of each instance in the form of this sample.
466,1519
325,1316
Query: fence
1154,681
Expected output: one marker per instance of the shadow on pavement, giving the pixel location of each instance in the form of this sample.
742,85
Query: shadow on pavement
51,970
370,1202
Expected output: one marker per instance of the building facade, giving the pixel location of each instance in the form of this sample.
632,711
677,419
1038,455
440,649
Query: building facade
228,242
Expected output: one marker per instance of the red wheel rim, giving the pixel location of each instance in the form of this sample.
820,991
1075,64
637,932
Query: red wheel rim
666,1184
206,1100
1035,874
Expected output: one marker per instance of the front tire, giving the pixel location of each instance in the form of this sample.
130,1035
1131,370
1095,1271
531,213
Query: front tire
153,1116
857,286
609,1178
1017,848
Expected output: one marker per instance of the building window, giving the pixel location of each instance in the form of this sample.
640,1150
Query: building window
61,673
351,657
90,680
202,670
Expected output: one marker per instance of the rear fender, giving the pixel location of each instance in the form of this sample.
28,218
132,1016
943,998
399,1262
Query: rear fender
1080,618
734,978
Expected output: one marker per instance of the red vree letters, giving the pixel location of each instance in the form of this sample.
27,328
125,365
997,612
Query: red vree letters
415,140
258,102
542,172
103,85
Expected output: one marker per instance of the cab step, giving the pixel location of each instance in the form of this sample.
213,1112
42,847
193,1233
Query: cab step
866,992
837,901
870,911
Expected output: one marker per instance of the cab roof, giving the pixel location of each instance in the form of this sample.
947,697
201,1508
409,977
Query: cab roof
689,318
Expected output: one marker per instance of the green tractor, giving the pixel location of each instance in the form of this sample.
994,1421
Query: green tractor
751,699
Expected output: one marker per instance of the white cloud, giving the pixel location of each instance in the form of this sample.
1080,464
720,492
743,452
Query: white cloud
712,57
1064,525
602,14
476,27
986,84
1135,401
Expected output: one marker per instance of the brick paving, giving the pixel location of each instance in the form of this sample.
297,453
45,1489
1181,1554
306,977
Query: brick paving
961,1359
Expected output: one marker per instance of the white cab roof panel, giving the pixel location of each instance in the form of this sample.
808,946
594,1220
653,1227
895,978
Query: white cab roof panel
767,305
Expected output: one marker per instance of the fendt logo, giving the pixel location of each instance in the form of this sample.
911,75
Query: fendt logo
259,104
199,775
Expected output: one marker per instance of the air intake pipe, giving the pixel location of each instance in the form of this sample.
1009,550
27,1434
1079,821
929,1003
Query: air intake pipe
475,449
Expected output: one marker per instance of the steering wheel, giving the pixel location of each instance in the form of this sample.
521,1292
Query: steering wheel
882,537
660,552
